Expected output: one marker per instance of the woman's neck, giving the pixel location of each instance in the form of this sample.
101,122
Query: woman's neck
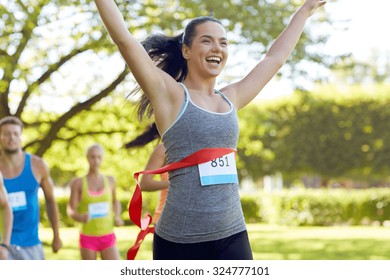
94,173
200,85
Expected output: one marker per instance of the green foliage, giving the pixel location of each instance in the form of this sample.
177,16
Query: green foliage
251,209
326,207
149,202
328,133
310,207
332,133
65,220
375,69
108,124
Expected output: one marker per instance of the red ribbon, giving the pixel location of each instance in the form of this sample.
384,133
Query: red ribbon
135,207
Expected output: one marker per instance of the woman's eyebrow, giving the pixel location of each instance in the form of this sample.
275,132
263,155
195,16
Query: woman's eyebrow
210,37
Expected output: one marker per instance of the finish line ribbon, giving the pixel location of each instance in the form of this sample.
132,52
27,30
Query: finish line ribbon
135,207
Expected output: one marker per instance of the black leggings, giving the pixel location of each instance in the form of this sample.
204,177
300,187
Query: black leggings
235,247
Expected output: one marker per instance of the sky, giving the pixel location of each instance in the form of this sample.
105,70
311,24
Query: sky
367,22
358,26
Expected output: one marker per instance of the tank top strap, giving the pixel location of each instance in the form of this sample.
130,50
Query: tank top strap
224,97
84,186
27,166
186,97
27,160
106,183
183,107
27,171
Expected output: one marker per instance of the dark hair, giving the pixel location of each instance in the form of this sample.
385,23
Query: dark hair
190,30
166,52
148,136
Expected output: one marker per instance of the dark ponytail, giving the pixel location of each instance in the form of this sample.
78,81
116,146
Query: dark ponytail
165,51
148,136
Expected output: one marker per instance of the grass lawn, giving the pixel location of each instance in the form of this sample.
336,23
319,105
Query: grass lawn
268,243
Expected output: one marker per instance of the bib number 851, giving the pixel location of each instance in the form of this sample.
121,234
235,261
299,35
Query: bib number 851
222,162
221,170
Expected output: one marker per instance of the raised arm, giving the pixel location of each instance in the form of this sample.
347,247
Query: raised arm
162,90
242,92
151,79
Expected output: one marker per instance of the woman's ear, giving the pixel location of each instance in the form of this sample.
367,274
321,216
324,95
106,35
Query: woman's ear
185,50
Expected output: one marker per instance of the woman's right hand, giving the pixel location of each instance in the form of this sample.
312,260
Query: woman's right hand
3,253
84,218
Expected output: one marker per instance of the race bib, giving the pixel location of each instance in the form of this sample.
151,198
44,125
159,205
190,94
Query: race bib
98,210
18,201
221,170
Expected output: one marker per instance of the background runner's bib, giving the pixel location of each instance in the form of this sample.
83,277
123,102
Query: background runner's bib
18,201
221,170
99,209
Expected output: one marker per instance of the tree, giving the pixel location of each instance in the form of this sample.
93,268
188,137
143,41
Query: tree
332,132
57,61
373,70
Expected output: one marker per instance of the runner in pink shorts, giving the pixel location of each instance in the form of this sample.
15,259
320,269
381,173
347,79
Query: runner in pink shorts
93,203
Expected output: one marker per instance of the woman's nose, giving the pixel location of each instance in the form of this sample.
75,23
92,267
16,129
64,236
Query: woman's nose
217,47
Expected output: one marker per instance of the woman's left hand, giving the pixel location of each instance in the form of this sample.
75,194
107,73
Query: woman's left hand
312,5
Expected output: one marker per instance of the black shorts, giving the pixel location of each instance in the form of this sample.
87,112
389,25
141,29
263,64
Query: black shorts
235,247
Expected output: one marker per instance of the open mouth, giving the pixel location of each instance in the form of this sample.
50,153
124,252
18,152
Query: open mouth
214,59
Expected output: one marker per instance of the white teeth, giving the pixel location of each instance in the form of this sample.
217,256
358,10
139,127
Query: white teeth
214,59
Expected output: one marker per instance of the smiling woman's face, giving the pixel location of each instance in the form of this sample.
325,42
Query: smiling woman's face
208,52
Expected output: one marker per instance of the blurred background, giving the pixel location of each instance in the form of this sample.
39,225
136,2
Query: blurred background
314,146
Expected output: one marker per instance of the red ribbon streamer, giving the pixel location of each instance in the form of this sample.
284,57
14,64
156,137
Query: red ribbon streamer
135,207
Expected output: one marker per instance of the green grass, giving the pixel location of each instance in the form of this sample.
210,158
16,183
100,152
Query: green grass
268,243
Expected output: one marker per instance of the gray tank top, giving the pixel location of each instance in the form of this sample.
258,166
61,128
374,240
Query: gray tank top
195,213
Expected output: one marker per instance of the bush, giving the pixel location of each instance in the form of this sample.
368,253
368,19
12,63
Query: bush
325,207
307,207
65,220
251,209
